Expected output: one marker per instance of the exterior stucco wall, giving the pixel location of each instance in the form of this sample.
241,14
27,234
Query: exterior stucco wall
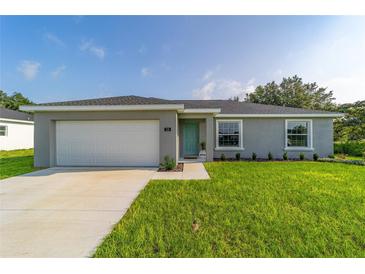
45,135
264,135
19,135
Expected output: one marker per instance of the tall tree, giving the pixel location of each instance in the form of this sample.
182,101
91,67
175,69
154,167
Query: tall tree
13,101
351,127
292,92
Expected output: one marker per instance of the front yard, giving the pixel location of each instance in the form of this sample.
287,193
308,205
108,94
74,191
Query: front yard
16,162
248,209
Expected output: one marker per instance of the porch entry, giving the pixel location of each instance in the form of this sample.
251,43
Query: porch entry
191,138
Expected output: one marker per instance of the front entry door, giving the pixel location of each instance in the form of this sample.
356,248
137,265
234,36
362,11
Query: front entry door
191,138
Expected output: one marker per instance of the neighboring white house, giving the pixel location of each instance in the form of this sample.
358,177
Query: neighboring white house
16,130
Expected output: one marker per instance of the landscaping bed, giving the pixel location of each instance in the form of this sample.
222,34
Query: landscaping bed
179,168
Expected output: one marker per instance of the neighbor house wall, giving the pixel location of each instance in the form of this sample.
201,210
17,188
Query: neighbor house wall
45,135
264,135
19,135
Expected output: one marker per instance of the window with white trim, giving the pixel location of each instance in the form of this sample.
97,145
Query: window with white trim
229,134
297,133
3,130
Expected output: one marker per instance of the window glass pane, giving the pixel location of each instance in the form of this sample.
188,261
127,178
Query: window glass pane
228,134
229,140
228,127
297,141
3,130
297,134
297,127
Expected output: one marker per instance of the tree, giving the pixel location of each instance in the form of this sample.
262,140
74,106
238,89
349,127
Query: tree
352,126
292,92
13,101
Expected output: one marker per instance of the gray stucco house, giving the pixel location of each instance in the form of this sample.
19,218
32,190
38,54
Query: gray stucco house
139,131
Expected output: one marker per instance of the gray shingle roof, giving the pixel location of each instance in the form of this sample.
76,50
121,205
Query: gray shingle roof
16,115
226,106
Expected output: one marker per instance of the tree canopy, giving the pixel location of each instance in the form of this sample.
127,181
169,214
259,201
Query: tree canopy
13,101
292,92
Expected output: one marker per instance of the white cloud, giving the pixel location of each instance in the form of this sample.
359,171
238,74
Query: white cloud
207,75
146,72
54,39
29,69
93,49
58,71
223,89
210,73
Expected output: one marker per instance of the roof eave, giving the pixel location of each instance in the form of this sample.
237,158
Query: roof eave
37,108
286,115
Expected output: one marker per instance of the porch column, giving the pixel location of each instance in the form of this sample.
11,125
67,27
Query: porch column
210,138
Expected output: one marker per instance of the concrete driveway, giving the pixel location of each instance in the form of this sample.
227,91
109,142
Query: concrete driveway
64,212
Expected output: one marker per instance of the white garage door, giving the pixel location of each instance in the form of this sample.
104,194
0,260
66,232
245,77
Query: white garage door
107,143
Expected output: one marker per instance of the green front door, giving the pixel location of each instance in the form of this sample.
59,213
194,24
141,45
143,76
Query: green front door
191,138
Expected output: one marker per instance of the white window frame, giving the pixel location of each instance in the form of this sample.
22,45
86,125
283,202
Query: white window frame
6,130
240,139
309,135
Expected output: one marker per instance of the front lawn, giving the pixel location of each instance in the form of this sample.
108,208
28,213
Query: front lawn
16,162
248,209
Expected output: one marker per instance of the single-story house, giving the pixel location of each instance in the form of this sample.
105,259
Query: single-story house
16,129
140,131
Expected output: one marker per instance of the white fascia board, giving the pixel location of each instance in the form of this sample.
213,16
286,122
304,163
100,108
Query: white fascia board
103,108
16,121
311,115
201,110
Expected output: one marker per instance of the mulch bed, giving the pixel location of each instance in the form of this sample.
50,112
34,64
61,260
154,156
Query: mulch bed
178,168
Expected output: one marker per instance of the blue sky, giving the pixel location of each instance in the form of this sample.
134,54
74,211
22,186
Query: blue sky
52,58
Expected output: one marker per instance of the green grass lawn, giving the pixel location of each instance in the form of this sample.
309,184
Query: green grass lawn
248,209
16,162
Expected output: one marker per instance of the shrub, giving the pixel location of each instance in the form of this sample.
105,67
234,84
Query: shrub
202,145
285,156
223,157
254,156
363,155
301,156
353,148
269,156
315,156
331,156
238,156
168,163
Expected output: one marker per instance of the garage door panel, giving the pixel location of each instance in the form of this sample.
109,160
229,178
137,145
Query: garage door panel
107,143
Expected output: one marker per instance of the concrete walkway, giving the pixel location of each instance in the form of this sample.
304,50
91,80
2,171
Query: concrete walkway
192,171
64,212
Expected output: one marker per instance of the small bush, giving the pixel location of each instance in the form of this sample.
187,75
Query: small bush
331,156
285,156
254,156
363,155
238,156
168,163
301,156
223,157
315,157
353,148
269,156
202,145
